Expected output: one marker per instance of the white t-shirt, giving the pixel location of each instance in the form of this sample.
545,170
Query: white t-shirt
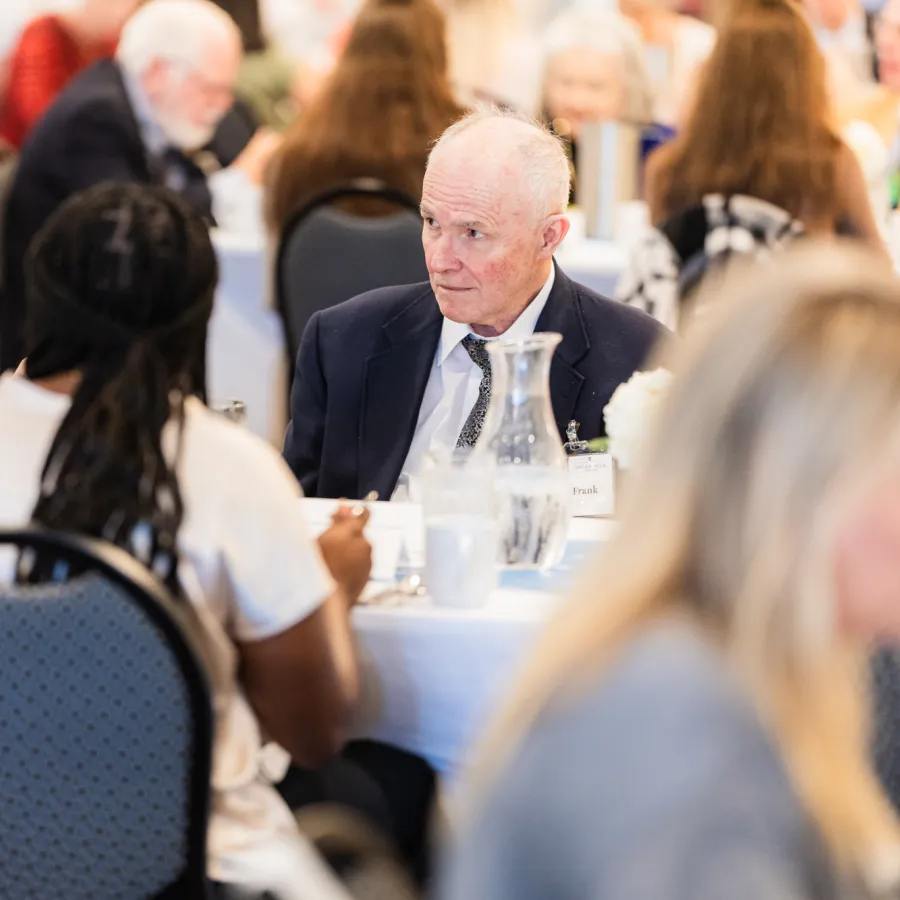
250,568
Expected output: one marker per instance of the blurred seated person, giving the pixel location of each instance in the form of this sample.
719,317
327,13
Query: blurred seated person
388,377
887,42
695,723
594,71
268,80
494,55
887,45
310,34
50,52
376,117
676,45
727,184
113,440
137,118
846,29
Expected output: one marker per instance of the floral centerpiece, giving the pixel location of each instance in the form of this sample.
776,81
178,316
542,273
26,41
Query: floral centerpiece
629,414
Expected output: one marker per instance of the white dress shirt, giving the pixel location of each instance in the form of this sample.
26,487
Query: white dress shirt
452,391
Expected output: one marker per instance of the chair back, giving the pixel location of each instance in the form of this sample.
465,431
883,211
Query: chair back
105,730
885,671
327,255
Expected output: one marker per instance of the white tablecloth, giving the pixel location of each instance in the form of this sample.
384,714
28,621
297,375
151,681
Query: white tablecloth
246,346
431,676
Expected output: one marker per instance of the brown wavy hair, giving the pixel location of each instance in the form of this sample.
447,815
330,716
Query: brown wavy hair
760,123
387,100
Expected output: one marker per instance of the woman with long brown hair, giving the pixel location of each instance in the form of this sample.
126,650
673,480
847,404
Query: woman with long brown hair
760,126
387,100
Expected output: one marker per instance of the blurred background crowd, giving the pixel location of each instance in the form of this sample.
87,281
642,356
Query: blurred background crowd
322,94
565,62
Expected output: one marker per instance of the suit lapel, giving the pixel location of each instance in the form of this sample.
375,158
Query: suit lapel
129,119
562,314
395,382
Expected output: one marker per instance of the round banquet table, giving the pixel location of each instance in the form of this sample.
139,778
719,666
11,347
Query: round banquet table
430,677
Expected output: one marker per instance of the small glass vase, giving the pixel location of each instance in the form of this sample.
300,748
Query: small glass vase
521,440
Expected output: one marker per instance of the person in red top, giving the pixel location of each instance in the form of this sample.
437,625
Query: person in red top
50,52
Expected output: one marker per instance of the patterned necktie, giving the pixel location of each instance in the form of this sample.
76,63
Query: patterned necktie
477,350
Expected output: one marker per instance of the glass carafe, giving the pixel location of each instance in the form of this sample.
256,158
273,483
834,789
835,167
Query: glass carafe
520,438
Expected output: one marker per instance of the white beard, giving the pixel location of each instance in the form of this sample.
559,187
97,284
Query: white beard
183,135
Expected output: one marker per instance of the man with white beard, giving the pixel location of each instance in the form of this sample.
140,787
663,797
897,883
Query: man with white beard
140,118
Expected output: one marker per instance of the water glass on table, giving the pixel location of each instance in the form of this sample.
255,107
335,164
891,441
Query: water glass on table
461,535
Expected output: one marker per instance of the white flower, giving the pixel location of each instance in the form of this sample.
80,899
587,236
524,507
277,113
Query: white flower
630,411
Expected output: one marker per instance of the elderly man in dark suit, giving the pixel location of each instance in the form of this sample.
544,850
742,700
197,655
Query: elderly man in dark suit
138,118
390,376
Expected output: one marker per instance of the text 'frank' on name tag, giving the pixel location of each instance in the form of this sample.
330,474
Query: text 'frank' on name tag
592,476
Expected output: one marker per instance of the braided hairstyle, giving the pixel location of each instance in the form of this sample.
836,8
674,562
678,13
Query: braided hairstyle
120,285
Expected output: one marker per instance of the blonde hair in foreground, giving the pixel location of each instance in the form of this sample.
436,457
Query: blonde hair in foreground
776,413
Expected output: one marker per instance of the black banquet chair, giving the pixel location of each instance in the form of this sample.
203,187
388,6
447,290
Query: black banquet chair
105,730
885,692
327,255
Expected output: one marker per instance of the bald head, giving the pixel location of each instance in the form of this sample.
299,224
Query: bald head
506,143
493,199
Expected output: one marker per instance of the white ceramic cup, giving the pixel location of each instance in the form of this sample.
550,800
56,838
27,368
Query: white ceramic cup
460,559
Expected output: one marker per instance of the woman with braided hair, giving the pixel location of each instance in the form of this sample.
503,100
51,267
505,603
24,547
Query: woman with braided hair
105,433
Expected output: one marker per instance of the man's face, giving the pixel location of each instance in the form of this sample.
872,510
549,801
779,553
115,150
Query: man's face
585,86
483,245
887,43
192,100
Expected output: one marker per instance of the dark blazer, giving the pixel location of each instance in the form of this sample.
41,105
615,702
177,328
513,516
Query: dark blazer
89,135
363,367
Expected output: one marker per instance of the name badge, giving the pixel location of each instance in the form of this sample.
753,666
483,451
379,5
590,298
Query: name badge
592,478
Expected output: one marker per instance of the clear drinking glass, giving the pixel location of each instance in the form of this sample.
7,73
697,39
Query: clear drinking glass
460,530
521,441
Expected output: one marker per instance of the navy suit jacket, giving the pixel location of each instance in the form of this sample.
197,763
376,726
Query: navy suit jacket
363,366
88,135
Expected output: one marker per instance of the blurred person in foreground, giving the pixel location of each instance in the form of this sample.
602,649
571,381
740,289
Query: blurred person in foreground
396,374
758,162
695,722
50,52
138,119
112,439
376,117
